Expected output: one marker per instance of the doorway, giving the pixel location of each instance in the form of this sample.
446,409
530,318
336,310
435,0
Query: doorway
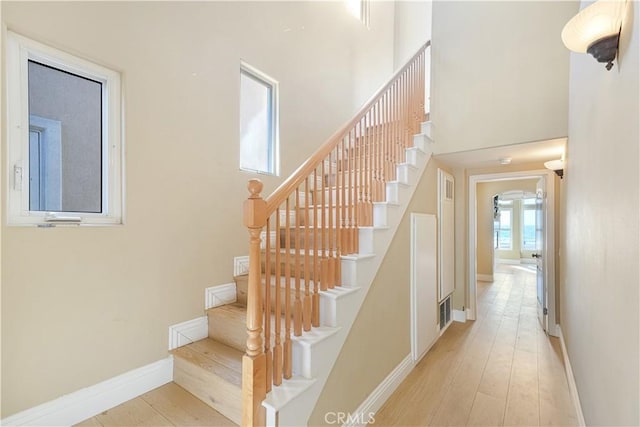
547,252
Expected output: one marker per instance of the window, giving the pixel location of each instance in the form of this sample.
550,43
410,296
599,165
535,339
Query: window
502,229
64,138
360,9
529,224
258,121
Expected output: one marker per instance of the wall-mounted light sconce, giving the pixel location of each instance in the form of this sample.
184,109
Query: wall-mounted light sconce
557,166
596,30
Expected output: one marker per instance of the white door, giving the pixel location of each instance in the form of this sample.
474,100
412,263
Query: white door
541,208
424,304
446,238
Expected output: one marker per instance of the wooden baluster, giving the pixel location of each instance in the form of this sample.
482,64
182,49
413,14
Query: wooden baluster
297,306
267,307
277,349
407,105
343,193
316,266
287,367
357,171
404,108
364,217
323,231
350,188
306,313
367,163
401,106
332,260
354,191
374,158
412,99
394,136
421,91
254,360
387,135
379,195
338,220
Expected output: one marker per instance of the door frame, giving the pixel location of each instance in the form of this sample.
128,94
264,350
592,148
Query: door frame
550,243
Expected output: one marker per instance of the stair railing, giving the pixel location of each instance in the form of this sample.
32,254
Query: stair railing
299,233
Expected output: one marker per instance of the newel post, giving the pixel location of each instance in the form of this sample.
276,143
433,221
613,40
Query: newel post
254,366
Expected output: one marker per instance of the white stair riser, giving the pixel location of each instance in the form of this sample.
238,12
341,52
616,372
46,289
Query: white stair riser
392,192
415,156
422,142
426,129
353,269
308,360
334,307
406,173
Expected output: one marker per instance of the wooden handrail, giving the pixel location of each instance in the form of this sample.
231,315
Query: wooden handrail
285,189
312,220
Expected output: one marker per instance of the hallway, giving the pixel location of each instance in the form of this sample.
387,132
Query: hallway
499,370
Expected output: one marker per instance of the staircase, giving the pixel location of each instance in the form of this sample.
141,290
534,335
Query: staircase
315,247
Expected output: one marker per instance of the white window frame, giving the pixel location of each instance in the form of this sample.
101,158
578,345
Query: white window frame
526,207
275,117
361,10
510,210
19,50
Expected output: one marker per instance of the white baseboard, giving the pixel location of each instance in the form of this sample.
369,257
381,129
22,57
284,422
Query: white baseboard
573,389
88,402
484,277
240,265
367,409
219,295
459,315
187,332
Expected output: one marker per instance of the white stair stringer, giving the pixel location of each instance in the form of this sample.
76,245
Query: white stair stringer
315,353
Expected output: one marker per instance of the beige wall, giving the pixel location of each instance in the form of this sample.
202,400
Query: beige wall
380,336
484,234
502,68
412,28
600,288
80,305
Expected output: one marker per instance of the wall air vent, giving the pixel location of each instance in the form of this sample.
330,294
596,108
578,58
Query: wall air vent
445,314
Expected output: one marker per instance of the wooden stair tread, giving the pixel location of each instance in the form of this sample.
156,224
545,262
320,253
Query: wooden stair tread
213,357
233,311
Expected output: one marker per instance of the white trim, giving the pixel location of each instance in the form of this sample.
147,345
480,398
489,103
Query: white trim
424,293
573,389
187,332
19,50
382,392
484,277
472,302
88,402
240,265
459,316
216,296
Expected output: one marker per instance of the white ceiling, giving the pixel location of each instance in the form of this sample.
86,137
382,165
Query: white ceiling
539,151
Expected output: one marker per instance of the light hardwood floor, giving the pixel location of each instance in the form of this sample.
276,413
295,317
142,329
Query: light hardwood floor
501,369
169,405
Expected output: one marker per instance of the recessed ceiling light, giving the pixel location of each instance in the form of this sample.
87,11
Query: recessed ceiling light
505,160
